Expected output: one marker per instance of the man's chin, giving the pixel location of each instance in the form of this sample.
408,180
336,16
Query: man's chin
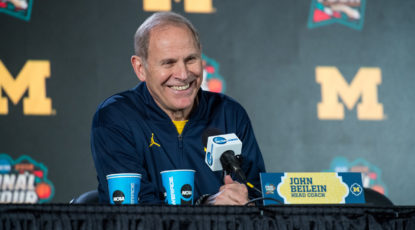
183,104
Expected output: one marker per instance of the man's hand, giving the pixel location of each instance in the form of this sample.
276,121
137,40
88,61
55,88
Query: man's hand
231,193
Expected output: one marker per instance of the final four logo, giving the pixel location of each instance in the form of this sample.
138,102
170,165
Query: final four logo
17,8
346,12
24,181
269,188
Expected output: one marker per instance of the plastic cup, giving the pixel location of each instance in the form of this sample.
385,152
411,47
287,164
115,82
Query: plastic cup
179,186
123,188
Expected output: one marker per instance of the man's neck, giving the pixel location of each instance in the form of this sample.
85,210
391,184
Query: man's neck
179,115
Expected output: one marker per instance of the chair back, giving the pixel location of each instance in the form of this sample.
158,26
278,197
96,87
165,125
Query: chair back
375,198
90,197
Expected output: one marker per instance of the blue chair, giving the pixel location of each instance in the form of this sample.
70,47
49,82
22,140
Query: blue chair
90,197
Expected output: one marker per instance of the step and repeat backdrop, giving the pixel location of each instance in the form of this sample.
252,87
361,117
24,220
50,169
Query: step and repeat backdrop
328,84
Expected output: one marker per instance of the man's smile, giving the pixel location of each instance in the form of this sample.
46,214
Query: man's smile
180,87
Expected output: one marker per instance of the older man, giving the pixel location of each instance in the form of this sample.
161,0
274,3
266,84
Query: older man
158,125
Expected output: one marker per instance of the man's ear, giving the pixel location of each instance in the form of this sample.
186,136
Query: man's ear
139,67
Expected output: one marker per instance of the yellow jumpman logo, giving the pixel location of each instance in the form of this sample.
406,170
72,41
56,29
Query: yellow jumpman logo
152,141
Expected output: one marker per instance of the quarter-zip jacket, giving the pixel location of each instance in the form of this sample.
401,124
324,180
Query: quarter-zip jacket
131,134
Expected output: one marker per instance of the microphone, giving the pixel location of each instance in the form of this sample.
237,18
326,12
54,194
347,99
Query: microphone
223,151
222,154
231,163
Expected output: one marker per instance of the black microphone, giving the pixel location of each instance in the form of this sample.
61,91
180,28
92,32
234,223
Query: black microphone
231,164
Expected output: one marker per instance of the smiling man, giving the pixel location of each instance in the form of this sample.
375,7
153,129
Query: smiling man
172,69
158,125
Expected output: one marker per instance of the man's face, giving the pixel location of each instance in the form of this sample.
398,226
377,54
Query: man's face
173,70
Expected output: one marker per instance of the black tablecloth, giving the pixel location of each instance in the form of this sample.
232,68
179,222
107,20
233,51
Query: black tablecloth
57,216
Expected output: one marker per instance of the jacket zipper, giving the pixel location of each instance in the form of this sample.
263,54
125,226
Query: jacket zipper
180,139
181,147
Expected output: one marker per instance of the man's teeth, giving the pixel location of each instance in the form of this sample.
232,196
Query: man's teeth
182,87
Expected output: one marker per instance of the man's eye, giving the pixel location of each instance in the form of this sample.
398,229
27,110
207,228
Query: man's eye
168,63
190,59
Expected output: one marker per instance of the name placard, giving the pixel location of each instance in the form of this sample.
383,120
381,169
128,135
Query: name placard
313,188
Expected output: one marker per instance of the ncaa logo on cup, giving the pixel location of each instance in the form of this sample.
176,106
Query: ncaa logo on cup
118,197
219,140
186,191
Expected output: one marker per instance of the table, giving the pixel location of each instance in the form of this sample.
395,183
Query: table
64,216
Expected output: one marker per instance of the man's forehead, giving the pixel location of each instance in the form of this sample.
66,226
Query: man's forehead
163,28
163,33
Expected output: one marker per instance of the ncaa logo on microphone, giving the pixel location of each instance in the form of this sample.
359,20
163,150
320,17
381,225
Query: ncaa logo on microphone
209,158
219,140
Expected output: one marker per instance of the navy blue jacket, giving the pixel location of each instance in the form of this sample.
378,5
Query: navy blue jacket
124,124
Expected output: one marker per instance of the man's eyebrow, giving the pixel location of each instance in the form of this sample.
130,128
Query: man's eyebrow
167,61
195,55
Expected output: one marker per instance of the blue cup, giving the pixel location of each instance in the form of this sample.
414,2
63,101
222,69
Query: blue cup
123,188
179,186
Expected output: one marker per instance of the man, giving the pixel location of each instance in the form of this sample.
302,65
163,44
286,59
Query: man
159,124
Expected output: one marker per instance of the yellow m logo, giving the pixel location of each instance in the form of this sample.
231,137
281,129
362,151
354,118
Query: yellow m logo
356,189
364,86
32,78
190,6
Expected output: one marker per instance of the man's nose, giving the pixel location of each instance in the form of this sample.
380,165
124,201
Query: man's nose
181,71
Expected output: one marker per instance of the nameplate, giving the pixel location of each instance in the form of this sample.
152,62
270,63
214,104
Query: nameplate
313,188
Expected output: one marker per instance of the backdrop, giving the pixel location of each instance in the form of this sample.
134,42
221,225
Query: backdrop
328,85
